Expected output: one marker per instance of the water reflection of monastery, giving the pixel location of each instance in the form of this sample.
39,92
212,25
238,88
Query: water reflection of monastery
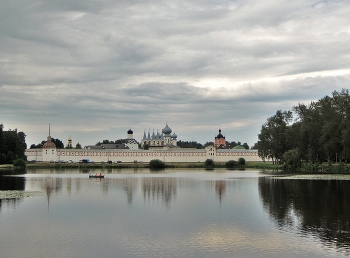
157,145
150,189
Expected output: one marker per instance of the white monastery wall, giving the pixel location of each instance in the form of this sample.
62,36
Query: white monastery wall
172,155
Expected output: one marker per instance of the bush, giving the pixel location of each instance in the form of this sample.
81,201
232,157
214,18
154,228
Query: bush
19,163
231,164
156,164
209,164
292,160
241,162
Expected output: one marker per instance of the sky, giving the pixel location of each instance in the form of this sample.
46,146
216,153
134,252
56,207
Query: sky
95,69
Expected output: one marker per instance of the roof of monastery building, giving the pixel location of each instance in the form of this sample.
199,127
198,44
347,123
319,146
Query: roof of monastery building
166,131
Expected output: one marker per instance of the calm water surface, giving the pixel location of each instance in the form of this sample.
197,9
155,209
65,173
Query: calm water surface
174,213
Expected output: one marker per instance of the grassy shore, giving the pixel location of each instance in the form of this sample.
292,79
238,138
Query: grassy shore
44,165
248,164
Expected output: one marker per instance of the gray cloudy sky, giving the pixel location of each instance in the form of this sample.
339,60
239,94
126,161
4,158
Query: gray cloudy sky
95,68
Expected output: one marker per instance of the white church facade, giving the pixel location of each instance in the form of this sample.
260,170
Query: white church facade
162,146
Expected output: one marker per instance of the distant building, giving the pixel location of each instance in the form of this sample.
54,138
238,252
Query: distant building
220,141
128,143
238,147
69,145
164,140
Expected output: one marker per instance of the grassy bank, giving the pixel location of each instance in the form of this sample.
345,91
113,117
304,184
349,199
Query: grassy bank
263,165
307,168
47,165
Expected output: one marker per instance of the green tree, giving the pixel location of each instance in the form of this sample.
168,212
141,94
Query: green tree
331,130
273,136
2,158
233,144
59,144
14,145
189,144
255,146
108,142
2,140
246,146
342,99
209,164
19,163
231,164
78,146
292,160
241,162
208,144
10,157
156,164
311,122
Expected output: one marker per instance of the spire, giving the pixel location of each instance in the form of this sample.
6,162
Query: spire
49,137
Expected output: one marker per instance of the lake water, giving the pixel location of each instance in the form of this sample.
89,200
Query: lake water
174,213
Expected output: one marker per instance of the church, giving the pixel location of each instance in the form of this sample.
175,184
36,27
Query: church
164,140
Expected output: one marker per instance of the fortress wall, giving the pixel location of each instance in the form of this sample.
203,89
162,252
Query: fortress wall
180,155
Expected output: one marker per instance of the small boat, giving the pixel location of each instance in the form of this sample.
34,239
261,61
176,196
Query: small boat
96,176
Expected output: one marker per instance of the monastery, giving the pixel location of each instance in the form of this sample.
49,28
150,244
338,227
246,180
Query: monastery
162,146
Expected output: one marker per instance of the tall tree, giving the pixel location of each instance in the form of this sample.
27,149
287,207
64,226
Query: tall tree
12,144
311,122
272,138
2,140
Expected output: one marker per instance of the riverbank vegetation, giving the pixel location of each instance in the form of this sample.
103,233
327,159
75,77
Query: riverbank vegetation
12,147
309,134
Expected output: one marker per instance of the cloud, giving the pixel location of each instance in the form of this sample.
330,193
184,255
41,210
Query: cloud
198,65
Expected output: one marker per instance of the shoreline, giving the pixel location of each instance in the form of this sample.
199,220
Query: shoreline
46,165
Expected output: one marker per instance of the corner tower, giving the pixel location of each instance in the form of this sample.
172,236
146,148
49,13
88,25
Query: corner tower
220,140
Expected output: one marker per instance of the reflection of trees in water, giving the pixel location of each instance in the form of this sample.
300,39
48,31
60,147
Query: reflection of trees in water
318,207
10,203
8,183
12,183
155,188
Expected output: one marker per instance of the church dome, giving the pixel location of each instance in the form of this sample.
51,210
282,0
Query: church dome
130,131
238,147
174,136
219,136
49,145
166,130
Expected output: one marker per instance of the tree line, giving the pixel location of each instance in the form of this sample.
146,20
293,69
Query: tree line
313,133
12,145
59,145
